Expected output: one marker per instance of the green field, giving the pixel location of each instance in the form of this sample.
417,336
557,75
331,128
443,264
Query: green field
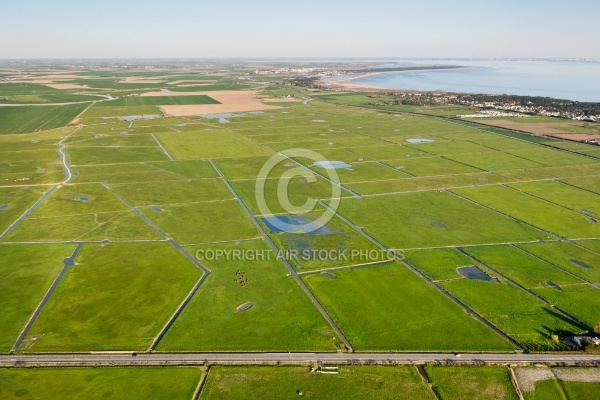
207,222
471,383
99,383
27,119
384,308
551,217
552,284
137,101
24,284
293,382
289,323
395,219
438,264
515,312
47,98
117,297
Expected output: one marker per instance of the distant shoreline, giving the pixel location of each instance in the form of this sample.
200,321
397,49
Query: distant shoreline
348,84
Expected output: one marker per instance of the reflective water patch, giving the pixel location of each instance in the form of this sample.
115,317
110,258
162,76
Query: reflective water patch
333,165
476,274
419,140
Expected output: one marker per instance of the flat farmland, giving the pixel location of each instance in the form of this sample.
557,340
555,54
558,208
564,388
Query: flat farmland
432,166
117,226
93,155
15,201
426,183
207,222
578,200
376,315
588,183
543,279
299,191
491,160
173,192
518,314
438,264
431,219
138,101
290,323
24,284
549,156
542,214
493,219
471,382
287,382
574,258
116,297
126,173
210,144
99,383
25,119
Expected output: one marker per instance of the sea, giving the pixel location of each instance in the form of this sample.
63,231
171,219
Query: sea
577,80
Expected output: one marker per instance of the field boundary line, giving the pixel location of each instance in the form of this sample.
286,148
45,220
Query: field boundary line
67,263
201,383
423,374
560,385
163,331
515,382
558,180
28,212
162,147
368,264
165,170
392,168
286,262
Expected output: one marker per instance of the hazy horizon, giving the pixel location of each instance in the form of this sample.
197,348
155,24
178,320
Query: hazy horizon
235,29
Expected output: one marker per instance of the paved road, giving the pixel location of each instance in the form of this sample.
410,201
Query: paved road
253,358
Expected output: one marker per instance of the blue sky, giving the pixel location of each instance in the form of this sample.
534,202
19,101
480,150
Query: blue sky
233,28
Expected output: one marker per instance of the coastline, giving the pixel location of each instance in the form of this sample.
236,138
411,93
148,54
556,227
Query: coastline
348,84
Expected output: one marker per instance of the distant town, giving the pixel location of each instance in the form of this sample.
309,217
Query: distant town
316,78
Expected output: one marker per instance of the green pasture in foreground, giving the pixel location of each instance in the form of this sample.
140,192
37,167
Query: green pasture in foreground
518,314
282,317
292,382
117,297
24,284
389,308
456,383
99,383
